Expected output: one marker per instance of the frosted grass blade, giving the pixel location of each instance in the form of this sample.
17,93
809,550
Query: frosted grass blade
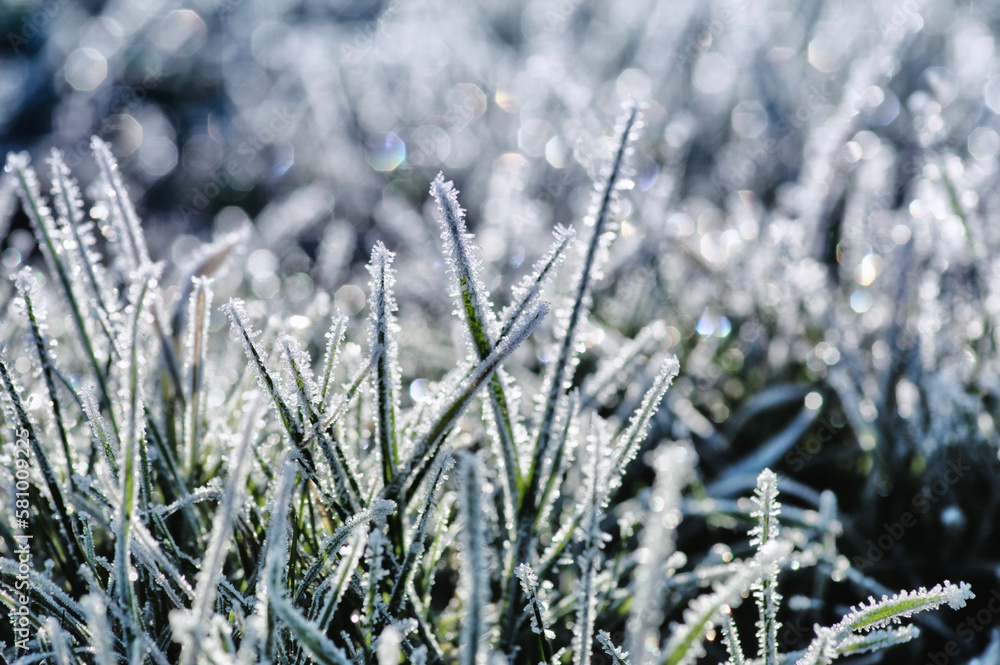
473,306
200,311
126,230
537,610
889,610
441,467
309,634
685,643
766,511
382,331
674,466
334,342
618,657
219,543
527,292
379,510
131,471
297,365
474,582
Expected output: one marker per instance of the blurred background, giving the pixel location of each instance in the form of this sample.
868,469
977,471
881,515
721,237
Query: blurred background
812,212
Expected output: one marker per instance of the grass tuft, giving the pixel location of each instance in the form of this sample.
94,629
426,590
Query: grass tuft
250,505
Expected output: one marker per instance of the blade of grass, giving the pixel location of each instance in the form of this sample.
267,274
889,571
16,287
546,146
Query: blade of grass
474,304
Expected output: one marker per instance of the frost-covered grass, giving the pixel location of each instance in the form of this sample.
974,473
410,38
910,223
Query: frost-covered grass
196,499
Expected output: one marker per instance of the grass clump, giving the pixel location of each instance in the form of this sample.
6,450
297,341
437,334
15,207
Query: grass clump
190,500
